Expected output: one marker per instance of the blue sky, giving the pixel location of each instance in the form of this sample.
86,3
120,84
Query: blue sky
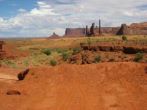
40,18
9,8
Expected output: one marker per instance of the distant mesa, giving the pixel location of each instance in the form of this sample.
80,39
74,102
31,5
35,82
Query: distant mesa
74,32
139,25
93,30
133,29
54,36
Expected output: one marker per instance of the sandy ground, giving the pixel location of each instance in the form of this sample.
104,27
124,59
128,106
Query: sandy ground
12,52
104,86
9,74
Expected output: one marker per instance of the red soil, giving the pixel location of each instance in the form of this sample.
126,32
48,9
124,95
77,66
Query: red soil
104,86
12,52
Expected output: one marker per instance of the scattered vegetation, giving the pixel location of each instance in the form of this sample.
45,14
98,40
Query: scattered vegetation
9,63
41,51
138,57
26,63
65,56
59,50
47,51
89,42
53,62
124,38
76,50
97,59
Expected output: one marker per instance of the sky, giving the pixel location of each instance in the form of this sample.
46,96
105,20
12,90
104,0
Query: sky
40,18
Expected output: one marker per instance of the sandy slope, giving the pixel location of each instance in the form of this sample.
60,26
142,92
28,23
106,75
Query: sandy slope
105,86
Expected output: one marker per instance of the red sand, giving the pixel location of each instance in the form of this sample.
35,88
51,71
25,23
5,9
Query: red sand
12,52
104,86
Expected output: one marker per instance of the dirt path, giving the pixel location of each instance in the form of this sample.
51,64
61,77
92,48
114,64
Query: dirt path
106,86
8,75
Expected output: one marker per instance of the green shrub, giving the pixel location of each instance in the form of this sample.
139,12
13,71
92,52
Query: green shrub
26,62
65,56
138,57
124,38
46,51
76,50
97,59
10,63
53,62
60,50
89,41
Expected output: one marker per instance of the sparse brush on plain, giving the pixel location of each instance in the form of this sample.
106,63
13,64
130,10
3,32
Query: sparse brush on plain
97,59
59,50
10,63
138,57
76,50
53,62
47,51
65,56
89,42
124,38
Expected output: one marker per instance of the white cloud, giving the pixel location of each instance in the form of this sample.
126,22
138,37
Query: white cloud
49,16
21,10
36,22
42,10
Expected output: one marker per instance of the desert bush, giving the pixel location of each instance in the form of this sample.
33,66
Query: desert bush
26,62
65,56
46,51
89,41
10,63
53,62
59,50
124,38
138,57
76,50
97,59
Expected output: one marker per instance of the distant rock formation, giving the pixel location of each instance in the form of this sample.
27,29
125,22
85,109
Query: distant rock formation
87,31
92,29
123,30
139,25
133,29
54,36
75,32
138,28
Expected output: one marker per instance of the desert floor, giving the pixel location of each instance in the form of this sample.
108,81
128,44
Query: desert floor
64,86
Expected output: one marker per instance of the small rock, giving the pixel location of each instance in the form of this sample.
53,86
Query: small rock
23,74
13,92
